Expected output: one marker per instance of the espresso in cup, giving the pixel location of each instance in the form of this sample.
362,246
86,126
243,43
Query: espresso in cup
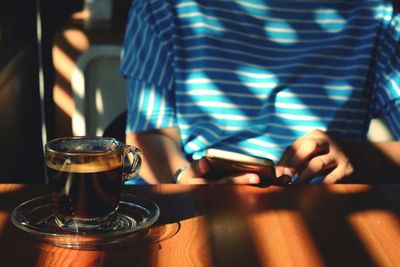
86,175
85,192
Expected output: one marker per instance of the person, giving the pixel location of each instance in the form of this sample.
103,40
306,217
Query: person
297,82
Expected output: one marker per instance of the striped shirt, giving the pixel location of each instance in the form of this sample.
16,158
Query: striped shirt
252,76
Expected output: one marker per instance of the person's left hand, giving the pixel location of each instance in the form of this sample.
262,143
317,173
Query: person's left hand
313,155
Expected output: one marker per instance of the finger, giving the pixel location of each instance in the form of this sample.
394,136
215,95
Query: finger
303,151
290,151
195,181
316,166
246,178
284,171
342,171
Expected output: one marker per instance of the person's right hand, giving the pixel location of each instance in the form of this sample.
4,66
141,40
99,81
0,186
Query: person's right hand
196,172
312,155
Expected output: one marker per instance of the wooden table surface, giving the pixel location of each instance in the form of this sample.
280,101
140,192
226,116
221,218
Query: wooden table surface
227,225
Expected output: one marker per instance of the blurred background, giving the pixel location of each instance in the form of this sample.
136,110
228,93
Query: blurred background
58,64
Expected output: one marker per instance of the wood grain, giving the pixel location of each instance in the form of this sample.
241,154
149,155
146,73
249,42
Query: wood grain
227,225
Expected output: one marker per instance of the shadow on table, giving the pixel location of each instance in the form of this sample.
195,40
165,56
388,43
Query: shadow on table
15,245
24,249
326,216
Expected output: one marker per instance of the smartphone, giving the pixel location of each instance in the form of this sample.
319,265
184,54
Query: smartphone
225,163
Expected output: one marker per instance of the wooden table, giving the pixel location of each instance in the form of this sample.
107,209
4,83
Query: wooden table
226,225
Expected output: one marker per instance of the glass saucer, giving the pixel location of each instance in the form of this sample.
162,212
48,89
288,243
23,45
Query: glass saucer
134,214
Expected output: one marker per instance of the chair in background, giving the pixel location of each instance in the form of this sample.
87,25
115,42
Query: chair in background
99,93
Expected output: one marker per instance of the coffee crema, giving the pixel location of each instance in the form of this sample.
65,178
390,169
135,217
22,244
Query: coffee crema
94,165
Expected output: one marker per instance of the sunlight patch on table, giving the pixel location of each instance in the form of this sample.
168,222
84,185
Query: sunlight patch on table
371,226
286,229
348,189
11,188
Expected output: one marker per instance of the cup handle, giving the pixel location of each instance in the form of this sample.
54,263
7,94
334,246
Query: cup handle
132,162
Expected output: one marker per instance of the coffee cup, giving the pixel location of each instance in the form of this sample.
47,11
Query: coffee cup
85,176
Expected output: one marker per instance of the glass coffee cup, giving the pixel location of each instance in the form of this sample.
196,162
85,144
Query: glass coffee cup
85,176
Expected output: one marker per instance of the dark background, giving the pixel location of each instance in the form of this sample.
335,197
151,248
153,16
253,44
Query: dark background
21,148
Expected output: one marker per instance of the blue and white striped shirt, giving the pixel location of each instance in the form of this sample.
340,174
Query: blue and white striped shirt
252,76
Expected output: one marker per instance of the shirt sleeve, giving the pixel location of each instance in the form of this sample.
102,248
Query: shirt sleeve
387,76
147,65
